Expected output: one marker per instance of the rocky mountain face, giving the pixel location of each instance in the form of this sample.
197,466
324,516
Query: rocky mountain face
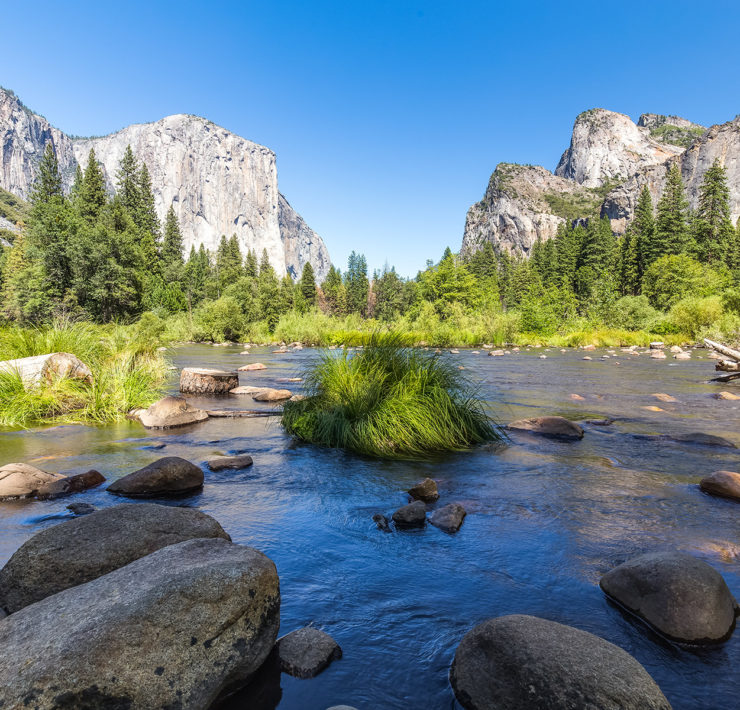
602,172
217,182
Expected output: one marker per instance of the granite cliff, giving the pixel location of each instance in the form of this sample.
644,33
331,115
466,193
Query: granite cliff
217,182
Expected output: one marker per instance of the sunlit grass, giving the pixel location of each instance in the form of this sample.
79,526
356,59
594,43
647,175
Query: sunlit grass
389,401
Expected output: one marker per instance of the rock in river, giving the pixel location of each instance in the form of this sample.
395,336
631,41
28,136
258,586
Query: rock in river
697,437
722,483
82,549
526,663
425,490
411,515
194,380
170,476
71,484
171,412
175,629
680,596
21,480
554,427
218,463
448,518
268,394
306,652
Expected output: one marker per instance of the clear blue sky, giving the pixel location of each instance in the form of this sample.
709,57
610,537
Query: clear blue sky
387,117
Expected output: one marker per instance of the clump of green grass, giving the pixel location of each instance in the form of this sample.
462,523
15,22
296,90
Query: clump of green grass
128,373
389,401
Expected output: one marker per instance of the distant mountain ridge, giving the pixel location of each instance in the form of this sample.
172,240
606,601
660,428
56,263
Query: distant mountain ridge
217,182
601,173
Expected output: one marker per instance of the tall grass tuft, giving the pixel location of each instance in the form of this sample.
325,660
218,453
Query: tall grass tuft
128,373
389,401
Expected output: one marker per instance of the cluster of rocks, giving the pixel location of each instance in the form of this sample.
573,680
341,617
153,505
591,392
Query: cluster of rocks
140,606
448,518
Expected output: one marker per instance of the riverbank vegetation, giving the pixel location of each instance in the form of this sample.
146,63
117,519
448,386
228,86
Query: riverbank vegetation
390,401
674,276
127,370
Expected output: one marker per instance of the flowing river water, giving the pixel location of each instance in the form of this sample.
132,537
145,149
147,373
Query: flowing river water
545,518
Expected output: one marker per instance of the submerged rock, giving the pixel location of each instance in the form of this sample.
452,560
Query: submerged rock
526,663
722,483
85,548
425,490
680,596
411,515
71,484
218,463
81,508
703,439
554,427
382,522
21,480
449,518
252,366
169,476
306,652
175,629
170,412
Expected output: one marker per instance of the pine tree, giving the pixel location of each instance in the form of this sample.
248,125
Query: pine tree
268,289
251,267
357,284
307,285
713,230
127,183
630,274
671,222
146,215
645,244
48,183
172,248
334,292
92,195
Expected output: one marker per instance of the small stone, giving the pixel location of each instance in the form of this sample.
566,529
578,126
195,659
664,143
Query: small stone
577,398
449,518
682,356
587,357
219,463
727,396
306,652
663,397
252,366
411,515
170,412
246,389
81,508
454,352
657,345
590,346
555,427
271,395
658,355
722,483
543,357
653,408
697,437
676,349
425,490
496,353
382,522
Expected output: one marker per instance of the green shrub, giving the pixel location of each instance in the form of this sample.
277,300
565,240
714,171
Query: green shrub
691,315
388,401
219,320
671,278
632,313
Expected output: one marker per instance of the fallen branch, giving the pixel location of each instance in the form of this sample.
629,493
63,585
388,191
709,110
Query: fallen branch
723,349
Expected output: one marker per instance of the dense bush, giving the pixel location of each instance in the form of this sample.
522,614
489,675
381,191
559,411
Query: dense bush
632,313
671,278
691,315
219,320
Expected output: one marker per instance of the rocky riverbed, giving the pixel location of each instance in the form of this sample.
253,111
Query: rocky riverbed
546,518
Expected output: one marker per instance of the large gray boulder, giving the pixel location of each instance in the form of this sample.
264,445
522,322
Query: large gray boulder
21,480
425,490
169,476
680,596
526,663
413,515
722,483
553,427
85,548
305,652
71,484
171,412
448,518
175,629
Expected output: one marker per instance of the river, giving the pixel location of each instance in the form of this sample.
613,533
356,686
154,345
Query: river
545,518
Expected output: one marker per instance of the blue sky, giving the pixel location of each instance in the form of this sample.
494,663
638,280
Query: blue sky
387,117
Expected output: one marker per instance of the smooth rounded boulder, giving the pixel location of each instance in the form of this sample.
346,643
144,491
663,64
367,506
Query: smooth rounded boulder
70,484
680,596
425,490
219,463
412,515
170,412
306,652
169,476
176,629
21,480
722,483
553,427
448,518
523,662
85,548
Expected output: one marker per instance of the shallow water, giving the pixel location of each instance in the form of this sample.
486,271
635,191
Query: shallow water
545,519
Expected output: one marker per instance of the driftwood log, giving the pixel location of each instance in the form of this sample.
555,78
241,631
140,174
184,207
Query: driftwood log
731,365
33,370
195,380
729,353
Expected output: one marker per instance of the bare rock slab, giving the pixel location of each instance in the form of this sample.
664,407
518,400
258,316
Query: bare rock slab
413,515
425,490
268,394
701,439
21,480
85,548
194,380
722,483
171,412
70,484
553,427
680,596
306,652
523,662
169,476
219,463
175,629
448,518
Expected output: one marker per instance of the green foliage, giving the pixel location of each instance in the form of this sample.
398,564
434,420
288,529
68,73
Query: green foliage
389,401
676,135
673,277
570,206
219,320
632,313
694,314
